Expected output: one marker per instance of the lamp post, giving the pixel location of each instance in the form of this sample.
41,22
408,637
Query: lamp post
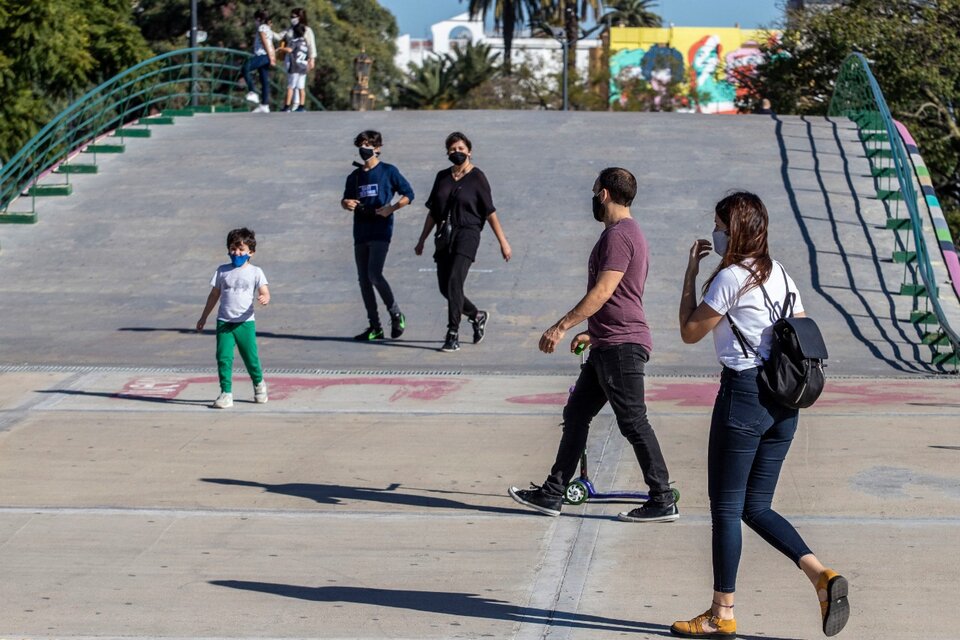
193,54
360,98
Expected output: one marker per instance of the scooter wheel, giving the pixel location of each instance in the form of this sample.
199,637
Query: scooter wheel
576,492
676,495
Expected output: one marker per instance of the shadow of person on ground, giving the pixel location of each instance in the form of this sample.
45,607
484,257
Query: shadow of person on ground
338,494
128,396
387,342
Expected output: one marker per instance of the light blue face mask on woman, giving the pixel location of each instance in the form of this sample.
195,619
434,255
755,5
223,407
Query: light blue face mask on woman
239,261
720,242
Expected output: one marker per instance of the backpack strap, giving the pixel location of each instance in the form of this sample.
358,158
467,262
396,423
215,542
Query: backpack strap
744,345
789,299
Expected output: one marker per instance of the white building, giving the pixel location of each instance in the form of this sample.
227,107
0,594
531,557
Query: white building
543,54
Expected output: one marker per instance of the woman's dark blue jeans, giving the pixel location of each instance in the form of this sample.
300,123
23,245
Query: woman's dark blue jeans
260,64
750,435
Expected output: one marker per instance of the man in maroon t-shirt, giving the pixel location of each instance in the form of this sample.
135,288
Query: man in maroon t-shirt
620,344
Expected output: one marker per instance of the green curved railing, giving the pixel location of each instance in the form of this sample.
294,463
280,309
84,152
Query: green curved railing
192,80
857,95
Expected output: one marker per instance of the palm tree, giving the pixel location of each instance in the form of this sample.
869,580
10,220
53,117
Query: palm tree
567,13
631,13
508,14
444,81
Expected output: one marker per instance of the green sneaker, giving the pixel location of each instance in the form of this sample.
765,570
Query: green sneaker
397,324
370,334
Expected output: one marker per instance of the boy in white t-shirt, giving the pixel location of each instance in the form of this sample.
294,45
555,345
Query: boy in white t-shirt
234,285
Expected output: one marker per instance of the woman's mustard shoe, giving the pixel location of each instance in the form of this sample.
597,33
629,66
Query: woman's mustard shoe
835,610
695,628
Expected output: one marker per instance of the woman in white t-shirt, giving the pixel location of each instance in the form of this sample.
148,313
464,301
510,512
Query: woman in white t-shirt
750,434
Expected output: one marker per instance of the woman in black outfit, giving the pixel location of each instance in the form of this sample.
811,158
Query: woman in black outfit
462,193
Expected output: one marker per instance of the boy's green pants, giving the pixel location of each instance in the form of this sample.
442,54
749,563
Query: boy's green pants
243,336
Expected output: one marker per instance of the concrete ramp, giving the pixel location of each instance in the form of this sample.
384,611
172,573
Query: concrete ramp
117,273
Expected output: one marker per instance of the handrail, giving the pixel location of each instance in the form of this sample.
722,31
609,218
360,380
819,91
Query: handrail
197,79
857,95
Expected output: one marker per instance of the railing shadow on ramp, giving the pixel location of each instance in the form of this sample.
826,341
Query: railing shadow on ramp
467,605
883,318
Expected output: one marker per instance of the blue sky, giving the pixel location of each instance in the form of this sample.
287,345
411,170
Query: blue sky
416,16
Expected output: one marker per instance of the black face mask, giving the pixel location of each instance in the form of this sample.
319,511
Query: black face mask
457,157
597,208
366,154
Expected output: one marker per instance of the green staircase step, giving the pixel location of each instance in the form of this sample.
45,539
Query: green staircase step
901,257
923,317
77,168
104,148
911,289
156,120
889,194
898,224
51,190
879,153
946,359
884,172
18,218
132,133
179,112
879,136
935,339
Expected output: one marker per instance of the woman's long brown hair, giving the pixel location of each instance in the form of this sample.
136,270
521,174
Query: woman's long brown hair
746,218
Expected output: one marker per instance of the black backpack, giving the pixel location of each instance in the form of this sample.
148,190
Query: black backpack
793,373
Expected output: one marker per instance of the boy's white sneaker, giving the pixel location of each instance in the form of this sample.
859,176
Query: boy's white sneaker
253,97
260,392
223,401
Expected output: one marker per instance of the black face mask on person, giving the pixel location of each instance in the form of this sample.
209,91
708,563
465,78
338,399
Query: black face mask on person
457,157
597,208
366,153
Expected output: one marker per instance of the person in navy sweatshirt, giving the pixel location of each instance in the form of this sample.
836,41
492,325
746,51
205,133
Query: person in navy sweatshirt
369,194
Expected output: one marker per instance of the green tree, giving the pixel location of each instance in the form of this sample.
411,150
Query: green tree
508,14
51,52
343,29
567,14
914,49
444,82
630,13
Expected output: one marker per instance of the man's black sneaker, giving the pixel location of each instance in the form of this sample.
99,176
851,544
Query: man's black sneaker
451,344
536,499
397,324
478,326
371,333
651,512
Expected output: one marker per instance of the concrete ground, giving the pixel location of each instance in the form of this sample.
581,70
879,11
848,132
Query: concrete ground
374,506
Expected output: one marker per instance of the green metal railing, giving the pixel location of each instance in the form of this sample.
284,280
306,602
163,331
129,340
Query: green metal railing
178,83
857,95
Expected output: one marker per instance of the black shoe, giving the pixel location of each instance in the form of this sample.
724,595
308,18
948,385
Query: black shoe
397,324
479,323
371,333
651,512
451,344
300,109
285,109
536,499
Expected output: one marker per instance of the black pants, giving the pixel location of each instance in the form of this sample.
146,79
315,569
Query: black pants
452,269
613,374
370,257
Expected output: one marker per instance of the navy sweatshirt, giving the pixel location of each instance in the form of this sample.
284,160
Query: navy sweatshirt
375,188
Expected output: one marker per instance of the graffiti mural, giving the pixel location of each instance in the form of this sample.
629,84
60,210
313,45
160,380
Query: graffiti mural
712,63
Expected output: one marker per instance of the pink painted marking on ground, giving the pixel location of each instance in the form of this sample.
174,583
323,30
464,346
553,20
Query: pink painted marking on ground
427,390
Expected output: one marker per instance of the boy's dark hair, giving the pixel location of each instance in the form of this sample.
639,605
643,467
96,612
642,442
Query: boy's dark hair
299,30
369,137
456,137
262,16
242,235
620,183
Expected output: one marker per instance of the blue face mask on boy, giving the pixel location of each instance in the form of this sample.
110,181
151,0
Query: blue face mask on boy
239,261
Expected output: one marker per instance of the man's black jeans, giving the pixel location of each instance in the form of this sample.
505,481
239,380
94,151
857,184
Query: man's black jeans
613,374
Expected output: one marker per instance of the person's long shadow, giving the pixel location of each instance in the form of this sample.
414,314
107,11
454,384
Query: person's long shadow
455,604
127,396
337,494
397,343
467,605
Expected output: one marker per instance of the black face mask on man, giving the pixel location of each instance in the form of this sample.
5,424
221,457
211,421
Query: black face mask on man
457,157
597,208
366,153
